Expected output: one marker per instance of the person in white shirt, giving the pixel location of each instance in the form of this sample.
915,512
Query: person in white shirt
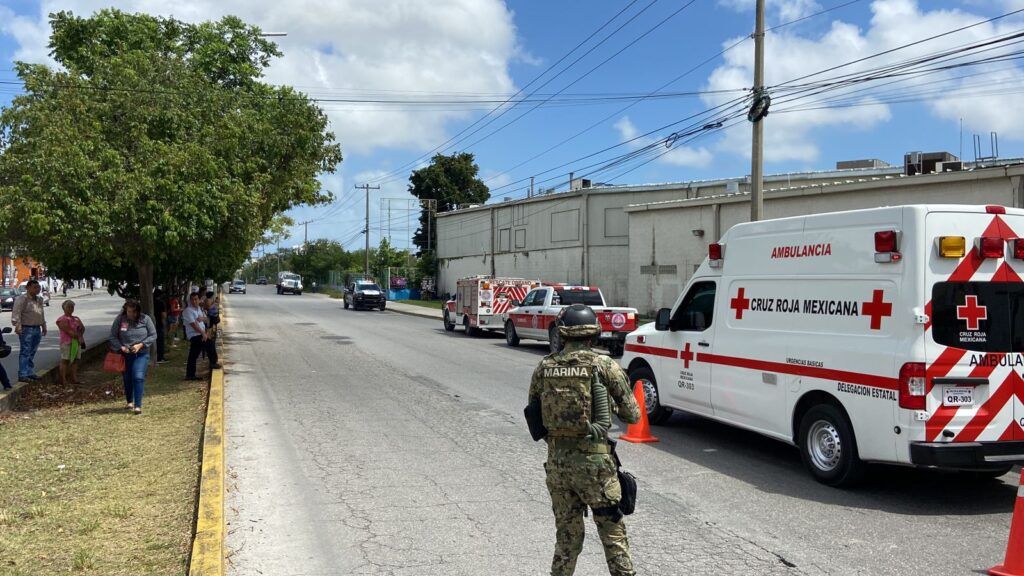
196,325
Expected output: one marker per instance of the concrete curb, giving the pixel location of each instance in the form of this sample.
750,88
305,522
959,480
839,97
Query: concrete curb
208,545
413,310
8,398
208,549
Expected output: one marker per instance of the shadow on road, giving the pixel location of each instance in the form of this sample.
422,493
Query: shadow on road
774,467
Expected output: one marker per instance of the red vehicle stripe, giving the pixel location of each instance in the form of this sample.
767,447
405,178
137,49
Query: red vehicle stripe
989,410
944,414
652,350
872,380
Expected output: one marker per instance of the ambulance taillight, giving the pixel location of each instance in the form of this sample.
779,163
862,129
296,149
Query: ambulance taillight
991,247
1018,248
913,386
886,247
715,255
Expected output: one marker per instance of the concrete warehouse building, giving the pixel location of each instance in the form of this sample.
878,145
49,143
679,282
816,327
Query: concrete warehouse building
640,244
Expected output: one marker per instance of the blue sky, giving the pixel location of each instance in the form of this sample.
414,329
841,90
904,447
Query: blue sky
410,49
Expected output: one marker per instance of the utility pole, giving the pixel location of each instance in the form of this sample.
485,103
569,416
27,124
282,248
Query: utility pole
530,195
756,116
366,264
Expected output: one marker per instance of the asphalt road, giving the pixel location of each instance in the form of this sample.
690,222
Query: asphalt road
375,443
97,311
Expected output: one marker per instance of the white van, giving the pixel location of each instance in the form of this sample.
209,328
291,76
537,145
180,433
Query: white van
886,335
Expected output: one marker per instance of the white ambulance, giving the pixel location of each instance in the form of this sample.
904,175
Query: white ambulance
886,335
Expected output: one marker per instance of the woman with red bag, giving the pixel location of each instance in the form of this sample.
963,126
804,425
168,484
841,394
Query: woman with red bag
133,335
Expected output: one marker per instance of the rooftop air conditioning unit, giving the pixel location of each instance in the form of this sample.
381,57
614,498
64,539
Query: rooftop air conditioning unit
732,187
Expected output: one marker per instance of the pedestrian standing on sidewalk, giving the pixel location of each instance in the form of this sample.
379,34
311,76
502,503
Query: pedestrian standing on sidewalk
72,342
133,334
173,318
196,325
160,319
29,322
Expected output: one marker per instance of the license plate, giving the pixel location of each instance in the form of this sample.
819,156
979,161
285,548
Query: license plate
957,396
606,334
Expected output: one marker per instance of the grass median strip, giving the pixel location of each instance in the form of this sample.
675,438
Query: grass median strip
88,488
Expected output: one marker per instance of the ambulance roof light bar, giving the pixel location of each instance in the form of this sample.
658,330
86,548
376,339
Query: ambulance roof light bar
887,247
994,209
715,251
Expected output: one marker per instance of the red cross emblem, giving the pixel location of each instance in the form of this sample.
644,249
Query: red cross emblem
877,309
740,303
686,356
972,313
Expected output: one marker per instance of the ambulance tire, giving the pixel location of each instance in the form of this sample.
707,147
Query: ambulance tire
656,413
511,338
449,326
822,429
470,331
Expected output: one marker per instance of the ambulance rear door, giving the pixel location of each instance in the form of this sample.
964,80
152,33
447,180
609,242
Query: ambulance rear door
975,334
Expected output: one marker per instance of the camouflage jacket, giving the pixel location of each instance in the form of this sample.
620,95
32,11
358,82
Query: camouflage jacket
613,377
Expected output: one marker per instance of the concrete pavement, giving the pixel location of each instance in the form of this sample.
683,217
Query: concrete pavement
376,443
414,310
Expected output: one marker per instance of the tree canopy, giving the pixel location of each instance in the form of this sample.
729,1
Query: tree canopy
450,181
156,151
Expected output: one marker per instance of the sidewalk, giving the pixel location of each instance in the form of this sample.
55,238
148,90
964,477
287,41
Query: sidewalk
413,310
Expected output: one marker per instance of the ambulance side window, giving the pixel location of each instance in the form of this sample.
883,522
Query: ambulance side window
531,298
697,309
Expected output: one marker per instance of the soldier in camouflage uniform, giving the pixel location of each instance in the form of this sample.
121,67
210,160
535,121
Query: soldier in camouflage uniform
574,387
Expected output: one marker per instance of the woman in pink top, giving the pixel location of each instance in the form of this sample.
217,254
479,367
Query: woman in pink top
71,330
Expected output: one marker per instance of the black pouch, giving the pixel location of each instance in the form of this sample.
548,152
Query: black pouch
627,482
535,421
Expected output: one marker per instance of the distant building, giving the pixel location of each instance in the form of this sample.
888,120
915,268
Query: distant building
641,243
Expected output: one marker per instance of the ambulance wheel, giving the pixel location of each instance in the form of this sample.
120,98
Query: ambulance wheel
656,413
828,446
449,326
470,331
510,334
554,340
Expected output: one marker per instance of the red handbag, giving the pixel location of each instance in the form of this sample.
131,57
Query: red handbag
114,362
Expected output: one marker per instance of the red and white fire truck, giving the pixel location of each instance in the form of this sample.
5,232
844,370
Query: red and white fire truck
481,301
534,318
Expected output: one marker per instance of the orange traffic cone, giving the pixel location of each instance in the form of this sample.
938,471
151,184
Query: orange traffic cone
641,431
1014,563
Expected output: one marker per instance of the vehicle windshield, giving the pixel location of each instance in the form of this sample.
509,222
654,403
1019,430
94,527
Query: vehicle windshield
239,282
588,297
8,292
367,287
291,277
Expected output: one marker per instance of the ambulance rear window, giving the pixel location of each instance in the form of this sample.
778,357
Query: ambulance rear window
980,316
588,297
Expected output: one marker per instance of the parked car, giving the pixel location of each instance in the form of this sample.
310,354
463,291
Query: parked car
261,281
237,287
534,318
365,295
44,293
7,296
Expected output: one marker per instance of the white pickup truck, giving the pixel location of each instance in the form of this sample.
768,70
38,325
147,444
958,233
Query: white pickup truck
534,317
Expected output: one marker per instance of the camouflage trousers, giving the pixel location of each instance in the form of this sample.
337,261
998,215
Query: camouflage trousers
576,482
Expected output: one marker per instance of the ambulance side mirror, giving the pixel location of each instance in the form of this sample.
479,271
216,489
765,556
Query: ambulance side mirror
663,320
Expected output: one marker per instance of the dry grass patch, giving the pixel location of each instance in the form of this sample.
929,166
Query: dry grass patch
88,488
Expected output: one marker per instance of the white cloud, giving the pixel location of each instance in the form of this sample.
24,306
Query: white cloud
349,45
783,10
678,156
791,136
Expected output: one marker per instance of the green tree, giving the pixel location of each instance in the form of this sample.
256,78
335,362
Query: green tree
450,181
319,258
156,151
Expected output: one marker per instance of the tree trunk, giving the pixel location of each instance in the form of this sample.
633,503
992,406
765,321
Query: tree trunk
146,288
